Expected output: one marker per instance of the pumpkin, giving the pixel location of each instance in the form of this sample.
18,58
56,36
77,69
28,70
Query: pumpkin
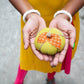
49,41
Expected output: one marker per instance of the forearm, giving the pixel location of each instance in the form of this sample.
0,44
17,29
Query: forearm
72,7
21,5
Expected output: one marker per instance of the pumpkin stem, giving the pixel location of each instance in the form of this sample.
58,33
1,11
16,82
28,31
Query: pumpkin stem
48,34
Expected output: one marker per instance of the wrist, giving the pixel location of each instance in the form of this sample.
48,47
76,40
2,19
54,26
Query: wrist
63,16
28,13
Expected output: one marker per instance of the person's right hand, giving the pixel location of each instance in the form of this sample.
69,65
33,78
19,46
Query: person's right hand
34,24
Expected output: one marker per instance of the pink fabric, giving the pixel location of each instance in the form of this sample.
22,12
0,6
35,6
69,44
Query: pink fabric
22,73
51,75
67,61
20,76
66,65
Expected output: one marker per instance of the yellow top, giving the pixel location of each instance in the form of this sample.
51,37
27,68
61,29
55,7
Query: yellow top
47,8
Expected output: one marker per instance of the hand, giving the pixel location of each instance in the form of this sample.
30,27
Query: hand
34,24
69,31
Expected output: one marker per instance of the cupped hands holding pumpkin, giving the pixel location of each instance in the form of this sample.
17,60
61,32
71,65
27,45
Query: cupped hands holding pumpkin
36,23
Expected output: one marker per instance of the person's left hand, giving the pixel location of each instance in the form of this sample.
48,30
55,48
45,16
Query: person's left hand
61,23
